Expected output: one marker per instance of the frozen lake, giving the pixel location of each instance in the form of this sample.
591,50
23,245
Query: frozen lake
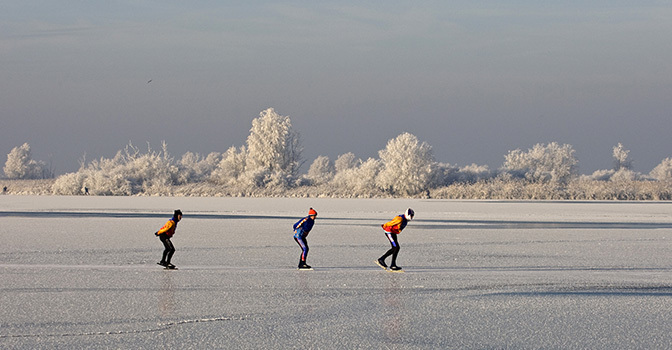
81,273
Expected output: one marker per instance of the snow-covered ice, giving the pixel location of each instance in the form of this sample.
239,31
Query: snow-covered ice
80,272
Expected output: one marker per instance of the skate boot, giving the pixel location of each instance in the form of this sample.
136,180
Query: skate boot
380,262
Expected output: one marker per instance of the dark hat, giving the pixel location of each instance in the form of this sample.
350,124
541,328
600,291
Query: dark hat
177,212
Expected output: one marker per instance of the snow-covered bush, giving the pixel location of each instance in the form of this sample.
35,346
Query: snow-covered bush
194,168
274,148
407,166
69,184
360,180
625,174
600,175
662,171
443,174
231,167
20,165
321,171
129,172
474,173
446,174
346,161
622,170
543,163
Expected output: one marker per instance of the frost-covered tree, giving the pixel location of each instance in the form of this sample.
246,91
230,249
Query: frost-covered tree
273,150
473,173
194,168
359,181
407,165
663,171
625,175
321,171
622,170
621,160
600,175
346,161
543,163
20,165
231,167
129,172
445,174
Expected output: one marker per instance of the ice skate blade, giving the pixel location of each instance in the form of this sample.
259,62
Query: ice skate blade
379,264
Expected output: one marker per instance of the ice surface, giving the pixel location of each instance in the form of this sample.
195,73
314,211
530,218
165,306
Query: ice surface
80,272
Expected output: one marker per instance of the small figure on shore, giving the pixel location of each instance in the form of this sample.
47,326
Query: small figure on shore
301,230
392,229
4,190
165,234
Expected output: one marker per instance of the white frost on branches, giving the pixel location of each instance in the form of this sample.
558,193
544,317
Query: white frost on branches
407,166
321,171
273,151
543,163
621,158
663,171
20,165
129,172
230,167
269,162
346,161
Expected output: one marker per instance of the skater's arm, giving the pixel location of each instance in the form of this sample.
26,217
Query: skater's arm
299,223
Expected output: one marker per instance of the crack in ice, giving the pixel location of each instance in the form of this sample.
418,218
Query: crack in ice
160,327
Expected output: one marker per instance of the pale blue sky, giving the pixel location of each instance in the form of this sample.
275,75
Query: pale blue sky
472,79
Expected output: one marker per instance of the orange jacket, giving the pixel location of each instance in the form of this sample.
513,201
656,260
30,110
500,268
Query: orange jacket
395,225
168,228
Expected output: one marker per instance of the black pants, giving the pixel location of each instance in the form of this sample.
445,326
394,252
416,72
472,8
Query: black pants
394,250
169,248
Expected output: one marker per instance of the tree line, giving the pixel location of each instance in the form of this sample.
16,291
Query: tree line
268,165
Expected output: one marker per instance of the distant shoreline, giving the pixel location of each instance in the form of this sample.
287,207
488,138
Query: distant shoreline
482,190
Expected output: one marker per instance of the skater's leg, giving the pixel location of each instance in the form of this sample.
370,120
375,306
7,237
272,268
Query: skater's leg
395,252
303,243
168,251
394,249
394,246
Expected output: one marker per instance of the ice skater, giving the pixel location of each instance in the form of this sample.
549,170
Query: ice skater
301,230
165,233
392,229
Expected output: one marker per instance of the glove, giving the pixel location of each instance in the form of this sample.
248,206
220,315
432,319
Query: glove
156,233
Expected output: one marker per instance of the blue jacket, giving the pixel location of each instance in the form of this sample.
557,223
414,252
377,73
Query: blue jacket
304,225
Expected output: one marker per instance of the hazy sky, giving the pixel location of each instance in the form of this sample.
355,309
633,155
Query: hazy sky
474,79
